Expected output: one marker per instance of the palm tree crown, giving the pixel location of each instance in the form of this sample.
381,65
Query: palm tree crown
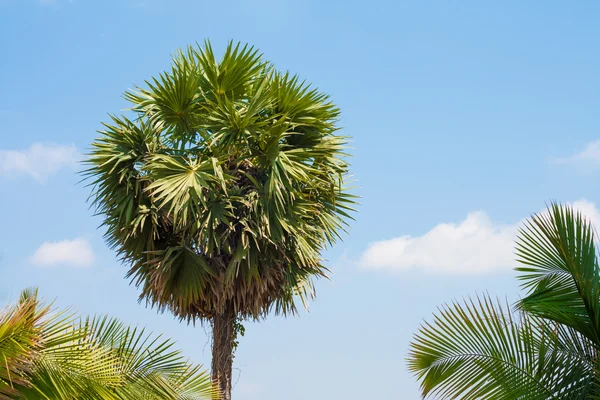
226,186
223,190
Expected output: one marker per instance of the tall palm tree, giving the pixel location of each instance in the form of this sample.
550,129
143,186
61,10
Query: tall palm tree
546,347
223,190
56,355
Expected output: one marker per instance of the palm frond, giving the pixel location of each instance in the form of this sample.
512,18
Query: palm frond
479,350
57,356
560,270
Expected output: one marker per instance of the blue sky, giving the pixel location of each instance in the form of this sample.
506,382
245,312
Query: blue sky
466,117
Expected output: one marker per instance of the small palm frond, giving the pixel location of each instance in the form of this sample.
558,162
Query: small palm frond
171,101
237,69
177,183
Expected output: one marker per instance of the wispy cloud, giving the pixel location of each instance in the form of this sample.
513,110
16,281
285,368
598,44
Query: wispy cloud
473,245
590,155
74,253
39,161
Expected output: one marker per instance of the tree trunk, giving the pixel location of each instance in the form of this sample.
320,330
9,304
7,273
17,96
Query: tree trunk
222,349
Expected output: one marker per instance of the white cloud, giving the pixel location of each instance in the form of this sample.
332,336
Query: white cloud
474,245
590,155
38,161
75,253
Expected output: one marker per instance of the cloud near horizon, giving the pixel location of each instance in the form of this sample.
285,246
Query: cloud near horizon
473,245
76,253
39,161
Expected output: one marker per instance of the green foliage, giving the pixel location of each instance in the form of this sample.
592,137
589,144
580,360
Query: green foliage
53,355
225,187
547,349
238,332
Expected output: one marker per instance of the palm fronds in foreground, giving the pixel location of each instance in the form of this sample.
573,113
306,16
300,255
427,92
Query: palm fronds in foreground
45,354
546,348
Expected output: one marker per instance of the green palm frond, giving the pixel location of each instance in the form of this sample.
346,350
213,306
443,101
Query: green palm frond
19,341
560,270
478,350
550,350
154,370
177,183
58,356
239,67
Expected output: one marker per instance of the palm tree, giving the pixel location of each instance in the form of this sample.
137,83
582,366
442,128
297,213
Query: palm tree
547,347
56,355
223,190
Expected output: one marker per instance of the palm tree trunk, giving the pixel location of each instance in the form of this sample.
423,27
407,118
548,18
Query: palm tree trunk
222,350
